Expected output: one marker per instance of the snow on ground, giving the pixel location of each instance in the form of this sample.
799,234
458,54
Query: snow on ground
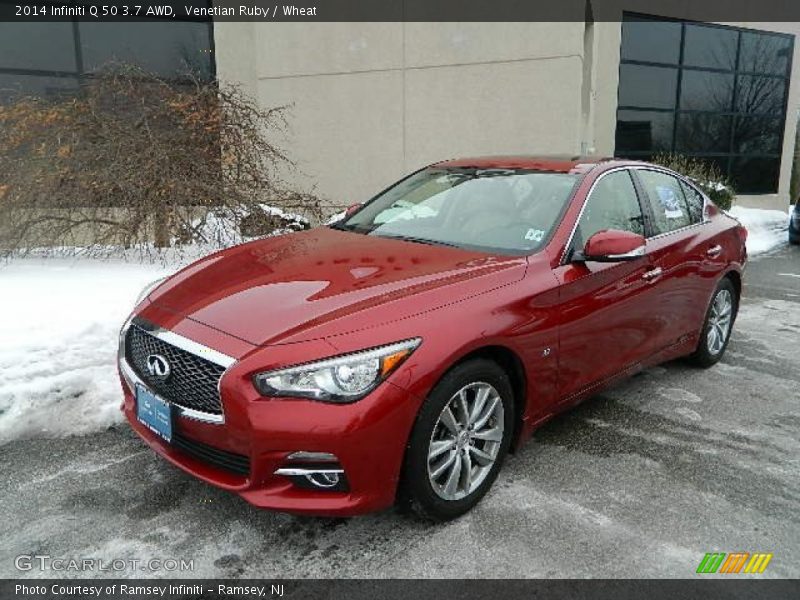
59,320
766,229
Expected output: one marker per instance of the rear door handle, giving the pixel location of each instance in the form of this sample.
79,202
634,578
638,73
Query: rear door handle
652,274
714,251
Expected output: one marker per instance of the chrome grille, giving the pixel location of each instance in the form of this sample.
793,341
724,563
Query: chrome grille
193,380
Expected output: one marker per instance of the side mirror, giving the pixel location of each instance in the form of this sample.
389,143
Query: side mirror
351,209
611,245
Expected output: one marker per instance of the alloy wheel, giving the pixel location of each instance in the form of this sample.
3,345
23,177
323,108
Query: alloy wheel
466,441
719,321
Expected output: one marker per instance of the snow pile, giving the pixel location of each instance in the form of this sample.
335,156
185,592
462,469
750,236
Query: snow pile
294,222
225,227
766,229
59,320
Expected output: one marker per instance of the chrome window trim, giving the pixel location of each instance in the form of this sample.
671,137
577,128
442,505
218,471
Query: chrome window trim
571,237
681,230
680,178
184,343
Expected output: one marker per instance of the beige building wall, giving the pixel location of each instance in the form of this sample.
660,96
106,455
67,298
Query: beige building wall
371,102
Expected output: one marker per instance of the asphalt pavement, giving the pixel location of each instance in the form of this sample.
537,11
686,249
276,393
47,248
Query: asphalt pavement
640,481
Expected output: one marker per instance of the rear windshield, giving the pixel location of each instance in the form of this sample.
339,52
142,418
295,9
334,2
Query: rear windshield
496,210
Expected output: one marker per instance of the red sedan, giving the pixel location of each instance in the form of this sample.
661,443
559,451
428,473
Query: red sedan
399,354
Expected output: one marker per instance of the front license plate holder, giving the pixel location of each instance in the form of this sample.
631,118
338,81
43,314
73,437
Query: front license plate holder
154,413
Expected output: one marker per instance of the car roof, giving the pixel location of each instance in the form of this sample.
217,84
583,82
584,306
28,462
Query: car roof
553,163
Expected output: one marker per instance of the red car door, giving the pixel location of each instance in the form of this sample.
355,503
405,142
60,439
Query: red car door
683,249
607,309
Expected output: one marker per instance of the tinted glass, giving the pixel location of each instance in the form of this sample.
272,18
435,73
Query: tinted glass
760,94
712,47
41,58
651,41
668,205
731,97
703,132
765,53
722,162
613,204
167,48
647,87
757,175
14,86
694,202
493,210
758,135
704,90
639,130
41,46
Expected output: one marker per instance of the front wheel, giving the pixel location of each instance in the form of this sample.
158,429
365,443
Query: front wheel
717,327
459,441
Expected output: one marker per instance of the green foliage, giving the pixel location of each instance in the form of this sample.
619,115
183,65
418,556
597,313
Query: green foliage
704,174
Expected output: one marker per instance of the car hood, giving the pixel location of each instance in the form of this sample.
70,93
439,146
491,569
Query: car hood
324,282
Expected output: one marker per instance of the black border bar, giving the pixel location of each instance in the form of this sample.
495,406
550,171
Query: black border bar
399,10
731,588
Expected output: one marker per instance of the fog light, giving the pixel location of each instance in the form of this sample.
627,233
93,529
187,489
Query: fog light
324,480
328,476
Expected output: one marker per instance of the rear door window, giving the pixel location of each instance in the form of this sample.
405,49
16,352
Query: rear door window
694,201
667,201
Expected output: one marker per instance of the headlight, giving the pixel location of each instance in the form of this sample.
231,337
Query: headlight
147,289
345,378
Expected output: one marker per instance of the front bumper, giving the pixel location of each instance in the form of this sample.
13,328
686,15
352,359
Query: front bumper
258,435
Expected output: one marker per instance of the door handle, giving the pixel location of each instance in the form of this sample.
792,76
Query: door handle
652,274
714,251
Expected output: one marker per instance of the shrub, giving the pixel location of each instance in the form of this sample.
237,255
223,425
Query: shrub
133,159
704,174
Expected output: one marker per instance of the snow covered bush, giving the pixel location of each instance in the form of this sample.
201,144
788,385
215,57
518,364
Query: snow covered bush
134,159
704,174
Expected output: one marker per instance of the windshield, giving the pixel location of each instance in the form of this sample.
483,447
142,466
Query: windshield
495,210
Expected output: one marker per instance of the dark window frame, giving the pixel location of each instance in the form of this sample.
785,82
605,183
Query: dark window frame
730,155
82,75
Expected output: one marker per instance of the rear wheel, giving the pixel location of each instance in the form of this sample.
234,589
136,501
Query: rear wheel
717,327
459,441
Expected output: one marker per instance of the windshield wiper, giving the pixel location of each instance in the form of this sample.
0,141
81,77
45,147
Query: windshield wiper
418,240
342,226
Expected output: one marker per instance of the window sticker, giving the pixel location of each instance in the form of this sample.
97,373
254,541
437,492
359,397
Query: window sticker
534,235
669,200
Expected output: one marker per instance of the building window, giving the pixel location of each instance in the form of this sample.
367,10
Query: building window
51,59
708,91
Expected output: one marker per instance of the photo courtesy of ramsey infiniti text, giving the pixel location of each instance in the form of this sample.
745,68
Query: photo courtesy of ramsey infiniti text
397,355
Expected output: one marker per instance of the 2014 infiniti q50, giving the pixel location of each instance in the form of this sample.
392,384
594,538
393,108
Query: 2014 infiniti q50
401,352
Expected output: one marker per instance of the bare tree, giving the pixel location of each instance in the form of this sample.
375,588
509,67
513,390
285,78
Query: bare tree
135,158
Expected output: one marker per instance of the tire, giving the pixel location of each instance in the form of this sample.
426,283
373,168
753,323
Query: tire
709,351
427,485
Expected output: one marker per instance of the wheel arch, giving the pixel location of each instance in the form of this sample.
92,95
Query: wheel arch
512,364
736,279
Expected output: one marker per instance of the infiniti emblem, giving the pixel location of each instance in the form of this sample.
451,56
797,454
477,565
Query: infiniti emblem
158,366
